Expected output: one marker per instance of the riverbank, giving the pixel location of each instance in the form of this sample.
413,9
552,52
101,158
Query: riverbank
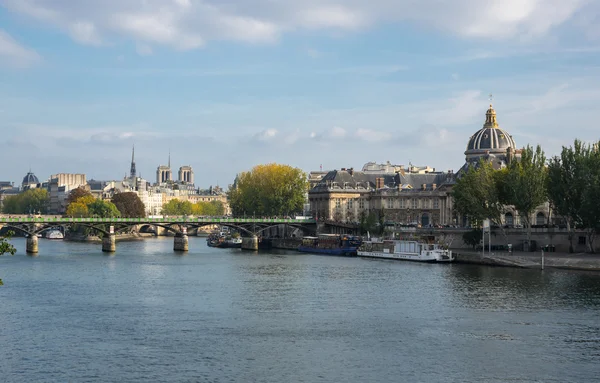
530,260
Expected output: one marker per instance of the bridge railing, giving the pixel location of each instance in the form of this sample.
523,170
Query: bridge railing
59,220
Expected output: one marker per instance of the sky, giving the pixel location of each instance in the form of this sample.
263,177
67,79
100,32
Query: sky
224,85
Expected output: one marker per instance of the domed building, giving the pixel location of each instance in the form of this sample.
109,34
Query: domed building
29,181
491,143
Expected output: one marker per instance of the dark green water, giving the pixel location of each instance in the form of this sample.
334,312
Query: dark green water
217,315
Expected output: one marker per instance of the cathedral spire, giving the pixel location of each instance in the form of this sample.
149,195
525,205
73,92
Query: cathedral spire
132,171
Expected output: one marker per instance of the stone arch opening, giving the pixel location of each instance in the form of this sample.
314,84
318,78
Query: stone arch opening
540,218
509,219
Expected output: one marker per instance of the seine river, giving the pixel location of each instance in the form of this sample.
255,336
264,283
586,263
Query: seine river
74,314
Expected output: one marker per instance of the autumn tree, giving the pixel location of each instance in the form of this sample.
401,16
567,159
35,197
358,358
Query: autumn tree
129,204
524,184
269,190
78,193
178,207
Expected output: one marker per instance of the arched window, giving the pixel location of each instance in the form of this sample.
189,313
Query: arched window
540,219
508,219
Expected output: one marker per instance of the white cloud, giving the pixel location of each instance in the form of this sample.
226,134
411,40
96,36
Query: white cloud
188,24
337,132
371,135
266,135
14,54
85,32
143,49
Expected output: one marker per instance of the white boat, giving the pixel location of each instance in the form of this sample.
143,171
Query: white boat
405,250
54,234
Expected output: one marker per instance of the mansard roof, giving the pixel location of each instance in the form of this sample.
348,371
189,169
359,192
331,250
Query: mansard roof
349,179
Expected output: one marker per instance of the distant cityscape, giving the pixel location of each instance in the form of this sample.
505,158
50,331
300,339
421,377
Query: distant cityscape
412,195
153,194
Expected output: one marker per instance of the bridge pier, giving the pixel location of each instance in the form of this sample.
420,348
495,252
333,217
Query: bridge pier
31,246
250,243
109,241
181,242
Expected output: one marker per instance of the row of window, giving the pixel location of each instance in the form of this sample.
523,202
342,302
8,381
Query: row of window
430,203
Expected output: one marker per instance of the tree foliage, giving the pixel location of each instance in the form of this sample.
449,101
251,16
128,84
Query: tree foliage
477,193
573,186
473,237
6,247
178,207
31,201
129,204
269,190
78,193
88,206
524,184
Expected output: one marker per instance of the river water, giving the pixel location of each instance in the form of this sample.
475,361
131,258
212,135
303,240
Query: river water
222,315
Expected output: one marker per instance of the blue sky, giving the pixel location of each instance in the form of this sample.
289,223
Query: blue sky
228,84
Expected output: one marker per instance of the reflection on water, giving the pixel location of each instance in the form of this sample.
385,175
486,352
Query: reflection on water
76,314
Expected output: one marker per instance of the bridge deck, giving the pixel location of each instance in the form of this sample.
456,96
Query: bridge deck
59,220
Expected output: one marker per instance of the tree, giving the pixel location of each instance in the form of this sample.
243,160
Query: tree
473,237
77,193
6,247
77,210
31,201
566,182
269,190
129,204
477,194
524,184
102,209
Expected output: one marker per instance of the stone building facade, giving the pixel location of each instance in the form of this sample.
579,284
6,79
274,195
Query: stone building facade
413,195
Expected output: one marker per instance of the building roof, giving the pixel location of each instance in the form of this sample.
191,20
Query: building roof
30,179
491,137
347,179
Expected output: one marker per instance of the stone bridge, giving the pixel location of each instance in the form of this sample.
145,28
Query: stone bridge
250,228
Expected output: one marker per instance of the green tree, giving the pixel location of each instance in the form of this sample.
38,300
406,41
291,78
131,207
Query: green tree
524,184
473,237
12,205
31,201
129,204
6,247
268,190
566,182
477,194
103,209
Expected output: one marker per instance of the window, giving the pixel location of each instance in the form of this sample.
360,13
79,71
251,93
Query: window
540,219
436,203
337,203
401,200
350,204
390,203
361,203
414,203
508,219
581,240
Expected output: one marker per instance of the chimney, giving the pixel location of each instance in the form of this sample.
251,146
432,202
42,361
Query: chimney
351,171
434,186
343,169
379,183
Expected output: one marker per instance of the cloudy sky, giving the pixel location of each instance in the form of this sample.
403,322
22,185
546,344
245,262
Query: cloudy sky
228,84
